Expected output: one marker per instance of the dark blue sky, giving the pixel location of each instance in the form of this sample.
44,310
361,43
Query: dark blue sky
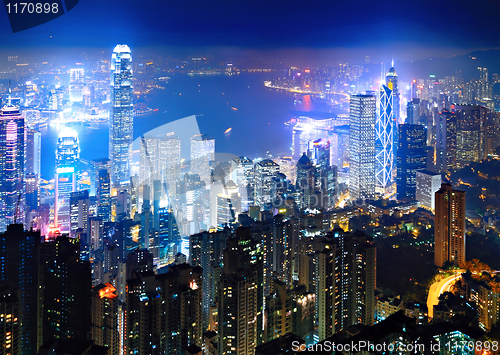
412,29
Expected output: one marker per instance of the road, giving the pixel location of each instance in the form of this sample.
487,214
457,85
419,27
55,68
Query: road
440,287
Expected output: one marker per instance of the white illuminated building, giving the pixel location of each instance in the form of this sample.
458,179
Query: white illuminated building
384,141
67,158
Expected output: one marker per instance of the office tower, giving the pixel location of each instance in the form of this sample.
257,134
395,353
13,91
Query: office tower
76,84
362,147
104,196
169,239
412,157
346,281
164,311
202,154
12,166
96,234
228,204
449,226
413,111
11,324
428,183
67,158
121,119
169,165
79,203
305,182
263,173
446,142
384,141
32,193
19,267
96,166
206,249
242,171
33,152
240,296
472,136
105,313
391,81
66,287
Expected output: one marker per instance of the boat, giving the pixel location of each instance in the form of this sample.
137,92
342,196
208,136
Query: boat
228,130
234,108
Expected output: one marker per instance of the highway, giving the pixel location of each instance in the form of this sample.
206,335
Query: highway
440,287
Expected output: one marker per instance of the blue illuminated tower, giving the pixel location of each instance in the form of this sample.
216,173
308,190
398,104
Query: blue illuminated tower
121,116
12,160
67,158
384,141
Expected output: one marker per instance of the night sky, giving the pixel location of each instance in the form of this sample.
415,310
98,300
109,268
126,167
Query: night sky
412,29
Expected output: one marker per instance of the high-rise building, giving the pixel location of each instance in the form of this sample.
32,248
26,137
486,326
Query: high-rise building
19,267
472,137
11,325
449,226
346,281
121,122
67,159
104,196
240,296
428,183
446,142
105,318
66,288
412,157
362,147
12,166
79,212
164,311
306,182
96,166
33,152
263,173
202,154
391,81
413,111
384,141
32,192
76,84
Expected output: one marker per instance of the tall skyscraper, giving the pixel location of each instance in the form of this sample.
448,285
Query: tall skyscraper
345,291
472,136
449,227
96,166
76,83
105,317
240,299
121,120
79,212
33,152
67,159
384,141
202,154
413,111
12,168
263,173
19,267
104,196
391,81
446,142
362,147
412,157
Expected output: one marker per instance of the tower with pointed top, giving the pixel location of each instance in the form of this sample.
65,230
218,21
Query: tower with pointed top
121,118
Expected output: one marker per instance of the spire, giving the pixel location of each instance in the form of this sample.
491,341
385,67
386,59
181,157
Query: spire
392,62
9,97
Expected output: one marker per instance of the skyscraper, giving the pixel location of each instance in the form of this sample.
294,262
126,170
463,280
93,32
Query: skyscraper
449,226
96,165
121,115
428,183
391,81
412,157
33,152
105,317
79,212
446,142
413,111
202,154
362,147
263,173
12,160
346,282
67,159
384,141
76,83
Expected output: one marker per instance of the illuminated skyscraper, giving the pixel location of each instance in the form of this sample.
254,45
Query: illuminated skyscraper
121,119
76,83
412,157
449,225
67,158
12,160
362,147
264,171
391,81
202,153
384,141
